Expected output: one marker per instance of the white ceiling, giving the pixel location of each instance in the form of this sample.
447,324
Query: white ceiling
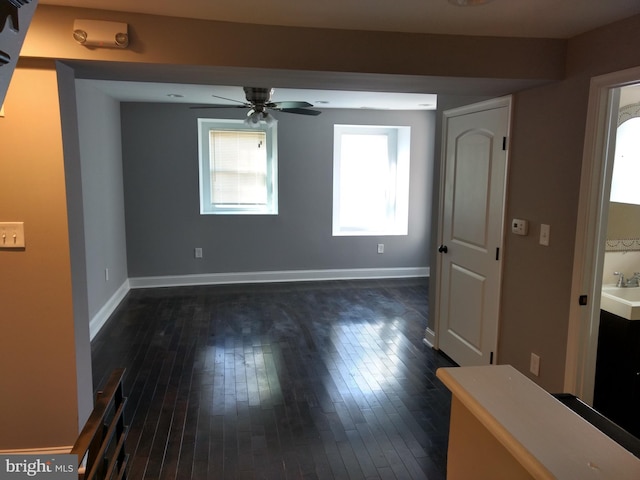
206,94
515,18
518,18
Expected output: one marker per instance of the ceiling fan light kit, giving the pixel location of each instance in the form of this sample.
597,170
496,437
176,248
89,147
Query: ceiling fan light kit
254,118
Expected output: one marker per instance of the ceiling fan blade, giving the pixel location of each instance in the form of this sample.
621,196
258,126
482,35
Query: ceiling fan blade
300,111
259,98
281,105
196,107
230,100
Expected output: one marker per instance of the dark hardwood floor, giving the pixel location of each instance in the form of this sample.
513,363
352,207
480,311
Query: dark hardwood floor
279,381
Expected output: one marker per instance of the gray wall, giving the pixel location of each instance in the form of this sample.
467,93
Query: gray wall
102,194
548,138
163,223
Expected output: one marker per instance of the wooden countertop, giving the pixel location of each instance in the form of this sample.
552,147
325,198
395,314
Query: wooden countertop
548,439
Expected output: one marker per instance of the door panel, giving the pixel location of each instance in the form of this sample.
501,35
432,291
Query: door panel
471,182
466,320
472,229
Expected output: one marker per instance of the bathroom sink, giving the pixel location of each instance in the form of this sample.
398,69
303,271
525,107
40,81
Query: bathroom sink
624,302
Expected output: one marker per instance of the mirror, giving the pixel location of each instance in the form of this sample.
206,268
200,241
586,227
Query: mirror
623,230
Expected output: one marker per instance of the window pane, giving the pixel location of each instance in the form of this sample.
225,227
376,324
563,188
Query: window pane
364,176
238,167
371,180
626,168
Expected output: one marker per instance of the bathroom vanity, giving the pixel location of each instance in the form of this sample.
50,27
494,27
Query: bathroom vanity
617,383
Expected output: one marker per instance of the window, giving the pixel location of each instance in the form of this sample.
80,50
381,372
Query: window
238,167
626,167
370,180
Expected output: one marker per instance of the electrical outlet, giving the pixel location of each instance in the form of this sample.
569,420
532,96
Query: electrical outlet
381,248
198,252
534,365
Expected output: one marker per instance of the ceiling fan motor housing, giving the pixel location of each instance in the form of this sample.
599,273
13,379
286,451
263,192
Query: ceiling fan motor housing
257,95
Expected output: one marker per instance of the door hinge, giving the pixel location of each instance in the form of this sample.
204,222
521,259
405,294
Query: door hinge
504,143
498,253
583,300
491,359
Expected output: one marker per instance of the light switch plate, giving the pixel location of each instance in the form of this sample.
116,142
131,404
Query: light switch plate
12,235
534,364
545,233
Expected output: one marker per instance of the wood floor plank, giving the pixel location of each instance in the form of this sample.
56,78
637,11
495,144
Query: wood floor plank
315,380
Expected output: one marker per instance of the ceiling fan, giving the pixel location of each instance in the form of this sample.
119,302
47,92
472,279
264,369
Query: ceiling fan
259,101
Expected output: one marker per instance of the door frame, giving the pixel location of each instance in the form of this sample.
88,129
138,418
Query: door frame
597,166
433,338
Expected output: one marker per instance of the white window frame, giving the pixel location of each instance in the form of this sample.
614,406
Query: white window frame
205,125
397,187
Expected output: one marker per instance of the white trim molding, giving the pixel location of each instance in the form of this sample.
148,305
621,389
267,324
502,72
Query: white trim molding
98,321
276,276
100,318
590,236
429,338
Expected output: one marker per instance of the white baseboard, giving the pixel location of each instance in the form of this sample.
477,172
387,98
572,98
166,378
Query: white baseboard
282,276
100,318
38,451
429,337
98,321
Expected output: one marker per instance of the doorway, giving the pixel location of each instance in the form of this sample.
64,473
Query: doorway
591,232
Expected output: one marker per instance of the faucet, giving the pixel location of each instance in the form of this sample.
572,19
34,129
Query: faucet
634,281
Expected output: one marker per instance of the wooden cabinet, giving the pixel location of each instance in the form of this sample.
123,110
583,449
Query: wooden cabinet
617,384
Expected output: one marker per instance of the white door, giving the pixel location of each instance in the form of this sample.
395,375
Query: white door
471,231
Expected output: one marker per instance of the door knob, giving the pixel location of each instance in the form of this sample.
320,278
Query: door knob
442,249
